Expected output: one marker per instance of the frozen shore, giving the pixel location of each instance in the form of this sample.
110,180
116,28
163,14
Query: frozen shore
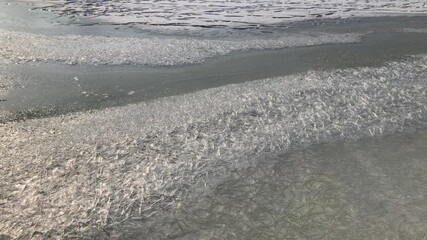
89,171
163,120
26,47
34,90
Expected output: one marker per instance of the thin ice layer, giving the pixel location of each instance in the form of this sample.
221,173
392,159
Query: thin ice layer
247,14
366,189
73,49
4,81
414,30
77,174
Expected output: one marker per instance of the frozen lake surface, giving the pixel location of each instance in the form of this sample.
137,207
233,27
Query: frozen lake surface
46,89
366,189
256,15
100,169
53,66
207,120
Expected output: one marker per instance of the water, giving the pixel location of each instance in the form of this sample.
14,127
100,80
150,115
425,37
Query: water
366,189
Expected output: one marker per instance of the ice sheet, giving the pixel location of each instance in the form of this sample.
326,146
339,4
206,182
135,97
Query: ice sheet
231,14
75,175
74,49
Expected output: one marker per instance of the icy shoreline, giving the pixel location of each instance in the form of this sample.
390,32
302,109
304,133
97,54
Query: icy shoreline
87,171
35,90
92,50
87,174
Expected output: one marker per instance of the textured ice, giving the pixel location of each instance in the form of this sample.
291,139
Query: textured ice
366,189
73,49
414,30
4,81
8,80
232,13
81,174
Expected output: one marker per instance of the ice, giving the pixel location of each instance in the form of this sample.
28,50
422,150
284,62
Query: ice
247,14
80,174
74,175
366,189
8,80
74,49
414,30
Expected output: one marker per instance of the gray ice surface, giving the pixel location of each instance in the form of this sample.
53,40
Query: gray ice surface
102,172
74,175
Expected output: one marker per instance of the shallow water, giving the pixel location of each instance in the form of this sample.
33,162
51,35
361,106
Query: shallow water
366,189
